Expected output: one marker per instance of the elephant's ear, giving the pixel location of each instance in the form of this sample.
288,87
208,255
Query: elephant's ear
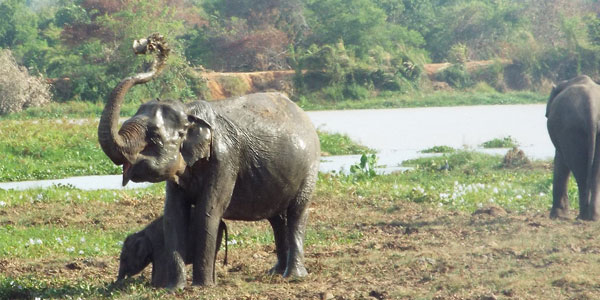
198,142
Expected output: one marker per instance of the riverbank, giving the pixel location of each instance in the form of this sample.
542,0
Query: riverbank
80,109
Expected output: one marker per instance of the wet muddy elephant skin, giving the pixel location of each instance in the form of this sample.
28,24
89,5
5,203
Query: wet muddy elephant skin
148,247
249,158
573,113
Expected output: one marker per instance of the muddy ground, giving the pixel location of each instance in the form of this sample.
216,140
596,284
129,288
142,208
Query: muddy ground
359,248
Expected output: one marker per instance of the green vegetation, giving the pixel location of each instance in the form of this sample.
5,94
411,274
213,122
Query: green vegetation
69,110
448,98
365,169
340,144
342,51
475,180
505,142
439,149
49,149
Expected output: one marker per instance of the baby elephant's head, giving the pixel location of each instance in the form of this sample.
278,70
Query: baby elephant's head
135,255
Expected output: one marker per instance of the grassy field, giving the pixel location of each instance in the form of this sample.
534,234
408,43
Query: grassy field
474,231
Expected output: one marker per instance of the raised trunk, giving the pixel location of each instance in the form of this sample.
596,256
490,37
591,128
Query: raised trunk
113,144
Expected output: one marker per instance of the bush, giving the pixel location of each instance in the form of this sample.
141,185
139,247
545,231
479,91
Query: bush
356,92
19,89
233,86
505,142
439,149
456,76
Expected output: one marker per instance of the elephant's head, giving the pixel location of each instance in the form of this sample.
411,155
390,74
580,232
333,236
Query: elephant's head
136,254
162,138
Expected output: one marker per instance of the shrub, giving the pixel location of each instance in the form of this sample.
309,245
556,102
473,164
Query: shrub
515,158
365,169
356,92
19,89
233,86
456,76
505,142
439,149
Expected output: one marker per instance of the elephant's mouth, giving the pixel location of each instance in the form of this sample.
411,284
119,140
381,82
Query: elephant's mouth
126,173
144,170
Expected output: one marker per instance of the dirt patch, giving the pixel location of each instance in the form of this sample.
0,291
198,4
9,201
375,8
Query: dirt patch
224,85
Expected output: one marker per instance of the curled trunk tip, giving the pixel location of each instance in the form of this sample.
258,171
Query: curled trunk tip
113,144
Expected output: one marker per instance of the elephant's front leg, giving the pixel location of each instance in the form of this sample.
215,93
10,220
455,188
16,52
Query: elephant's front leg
560,198
210,208
176,223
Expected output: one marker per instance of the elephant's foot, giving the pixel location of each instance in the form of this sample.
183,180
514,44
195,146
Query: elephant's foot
175,275
299,271
588,216
278,269
559,213
207,282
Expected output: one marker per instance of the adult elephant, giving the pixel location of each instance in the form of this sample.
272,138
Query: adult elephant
573,113
250,158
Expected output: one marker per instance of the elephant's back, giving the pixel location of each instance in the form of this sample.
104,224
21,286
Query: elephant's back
270,108
575,101
268,115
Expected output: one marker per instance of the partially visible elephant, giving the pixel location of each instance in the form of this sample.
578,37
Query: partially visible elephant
573,113
249,158
148,246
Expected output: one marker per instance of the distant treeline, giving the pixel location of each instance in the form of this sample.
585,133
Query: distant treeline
346,48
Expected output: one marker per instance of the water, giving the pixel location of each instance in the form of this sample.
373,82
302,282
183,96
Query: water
397,135
400,134
98,182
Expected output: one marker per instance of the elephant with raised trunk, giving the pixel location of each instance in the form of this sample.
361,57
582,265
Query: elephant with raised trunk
249,158
573,113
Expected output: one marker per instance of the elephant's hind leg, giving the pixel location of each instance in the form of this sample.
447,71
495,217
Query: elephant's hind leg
297,215
279,223
560,198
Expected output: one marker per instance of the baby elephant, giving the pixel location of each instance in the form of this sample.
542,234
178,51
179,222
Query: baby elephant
147,246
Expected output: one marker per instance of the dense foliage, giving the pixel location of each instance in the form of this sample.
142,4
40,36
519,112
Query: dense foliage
341,49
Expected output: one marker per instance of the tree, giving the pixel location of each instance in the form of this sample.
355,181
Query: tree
19,89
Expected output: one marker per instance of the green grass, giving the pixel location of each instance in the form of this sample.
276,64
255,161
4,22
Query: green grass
69,110
439,149
505,142
472,181
434,99
50,149
340,144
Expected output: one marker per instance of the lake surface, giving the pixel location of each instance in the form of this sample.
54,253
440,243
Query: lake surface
397,135
400,134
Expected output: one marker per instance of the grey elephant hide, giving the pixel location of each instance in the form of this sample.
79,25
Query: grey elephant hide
573,113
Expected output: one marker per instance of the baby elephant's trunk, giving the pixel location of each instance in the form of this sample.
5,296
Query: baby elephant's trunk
122,274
